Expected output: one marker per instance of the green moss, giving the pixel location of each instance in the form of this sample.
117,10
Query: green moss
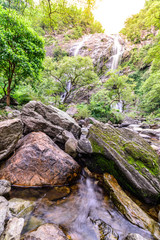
140,157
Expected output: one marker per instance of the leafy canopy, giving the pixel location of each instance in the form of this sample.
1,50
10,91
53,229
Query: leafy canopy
74,71
21,50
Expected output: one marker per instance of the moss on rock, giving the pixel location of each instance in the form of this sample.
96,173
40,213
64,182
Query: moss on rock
128,157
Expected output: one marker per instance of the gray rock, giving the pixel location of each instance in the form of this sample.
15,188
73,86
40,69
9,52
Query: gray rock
48,119
67,135
84,146
5,187
46,232
128,157
84,131
106,232
71,146
20,208
10,132
3,213
13,229
134,236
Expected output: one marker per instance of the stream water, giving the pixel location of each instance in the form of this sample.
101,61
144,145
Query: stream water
82,213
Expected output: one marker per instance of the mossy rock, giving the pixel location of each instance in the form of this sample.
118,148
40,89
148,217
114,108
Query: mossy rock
128,157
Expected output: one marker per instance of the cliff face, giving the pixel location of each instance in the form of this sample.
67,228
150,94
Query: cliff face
97,46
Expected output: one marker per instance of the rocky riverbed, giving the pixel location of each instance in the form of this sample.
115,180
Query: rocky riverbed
44,150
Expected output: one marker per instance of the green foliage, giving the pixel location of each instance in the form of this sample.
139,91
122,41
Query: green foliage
147,19
74,71
21,50
151,93
63,15
100,107
59,53
83,111
120,88
18,5
24,93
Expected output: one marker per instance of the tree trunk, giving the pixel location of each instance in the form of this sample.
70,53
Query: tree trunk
8,92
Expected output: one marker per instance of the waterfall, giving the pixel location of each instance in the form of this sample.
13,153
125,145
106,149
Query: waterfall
117,52
80,45
116,57
77,48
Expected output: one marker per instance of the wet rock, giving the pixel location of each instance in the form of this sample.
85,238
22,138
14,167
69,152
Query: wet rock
106,232
3,213
33,223
13,229
20,208
71,146
10,132
134,236
48,119
129,208
46,232
128,157
84,146
5,187
38,162
144,125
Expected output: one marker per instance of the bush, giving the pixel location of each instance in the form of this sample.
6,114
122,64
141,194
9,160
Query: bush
24,93
83,111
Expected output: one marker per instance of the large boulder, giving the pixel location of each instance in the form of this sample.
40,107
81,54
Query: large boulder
129,208
39,161
128,157
48,119
46,232
10,132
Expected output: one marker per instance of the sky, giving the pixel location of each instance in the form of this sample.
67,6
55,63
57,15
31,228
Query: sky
113,13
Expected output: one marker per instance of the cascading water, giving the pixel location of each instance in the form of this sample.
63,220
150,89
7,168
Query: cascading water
77,48
116,57
117,52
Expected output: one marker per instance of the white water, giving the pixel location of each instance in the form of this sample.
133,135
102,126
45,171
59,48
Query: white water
76,51
79,212
116,57
117,52
80,45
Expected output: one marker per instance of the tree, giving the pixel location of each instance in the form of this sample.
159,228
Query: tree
21,51
119,88
18,5
150,100
71,73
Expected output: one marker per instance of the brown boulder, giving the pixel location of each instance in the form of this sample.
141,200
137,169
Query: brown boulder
38,161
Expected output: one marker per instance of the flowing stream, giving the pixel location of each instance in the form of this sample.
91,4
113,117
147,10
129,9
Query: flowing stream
84,214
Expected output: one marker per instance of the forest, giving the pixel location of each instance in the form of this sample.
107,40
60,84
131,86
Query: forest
79,123
26,73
